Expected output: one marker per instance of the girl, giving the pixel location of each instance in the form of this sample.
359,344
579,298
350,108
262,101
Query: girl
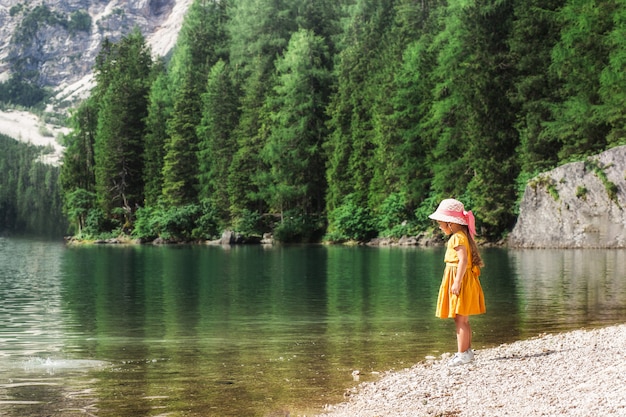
460,294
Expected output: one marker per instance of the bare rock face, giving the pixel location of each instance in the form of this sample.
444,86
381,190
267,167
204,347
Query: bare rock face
59,39
577,205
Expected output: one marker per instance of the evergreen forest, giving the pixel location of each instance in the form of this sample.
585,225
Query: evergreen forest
29,199
342,119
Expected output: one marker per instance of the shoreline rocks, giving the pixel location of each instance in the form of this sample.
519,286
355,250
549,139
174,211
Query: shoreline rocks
579,374
576,205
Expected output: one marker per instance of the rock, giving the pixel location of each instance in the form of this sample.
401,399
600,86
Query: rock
407,241
268,239
578,374
577,205
228,237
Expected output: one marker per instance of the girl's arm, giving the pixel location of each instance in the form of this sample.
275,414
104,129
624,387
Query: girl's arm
461,252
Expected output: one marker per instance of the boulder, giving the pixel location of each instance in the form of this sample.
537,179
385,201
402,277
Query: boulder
228,237
577,205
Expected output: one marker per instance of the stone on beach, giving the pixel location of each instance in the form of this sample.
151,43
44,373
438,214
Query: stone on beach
578,374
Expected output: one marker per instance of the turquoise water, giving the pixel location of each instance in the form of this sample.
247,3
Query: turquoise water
257,331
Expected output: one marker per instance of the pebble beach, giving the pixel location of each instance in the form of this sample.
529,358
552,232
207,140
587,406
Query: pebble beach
579,374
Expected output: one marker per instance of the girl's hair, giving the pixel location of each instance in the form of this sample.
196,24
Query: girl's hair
476,259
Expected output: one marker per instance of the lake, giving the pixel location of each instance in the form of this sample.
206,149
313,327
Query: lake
258,331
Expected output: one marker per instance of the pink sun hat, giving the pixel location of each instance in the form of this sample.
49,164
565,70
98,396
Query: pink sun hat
453,211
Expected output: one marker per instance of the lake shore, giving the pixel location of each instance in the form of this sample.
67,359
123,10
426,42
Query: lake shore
579,373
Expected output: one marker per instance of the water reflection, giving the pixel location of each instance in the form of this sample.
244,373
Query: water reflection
560,290
203,331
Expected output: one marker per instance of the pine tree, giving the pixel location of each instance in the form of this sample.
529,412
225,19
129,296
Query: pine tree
180,167
404,95
471,120
77,170
297,127
159,112
613,78
200,45
216,147
578,59
259,31
350,146
120,131
534,34
243,190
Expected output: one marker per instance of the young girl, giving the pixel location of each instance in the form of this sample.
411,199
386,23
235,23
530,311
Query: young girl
460,294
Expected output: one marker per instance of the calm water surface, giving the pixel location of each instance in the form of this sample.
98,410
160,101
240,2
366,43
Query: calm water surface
254,331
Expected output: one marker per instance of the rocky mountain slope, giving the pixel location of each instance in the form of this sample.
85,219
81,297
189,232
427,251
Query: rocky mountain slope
60,39
577,205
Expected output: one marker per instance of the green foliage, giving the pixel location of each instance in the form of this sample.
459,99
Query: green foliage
546,182
216,147
534,34
180,163
80,21
176,223
78,203
298,228
123,77
16,9
249,223
181,223
208,223
78,169
350,221
612,88
297,126
201,45
363,112
611,188
99,225
29,191
159,111
578,60
21,92
145,226
392,218
428,206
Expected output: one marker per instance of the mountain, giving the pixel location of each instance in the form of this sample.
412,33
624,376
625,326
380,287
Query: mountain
58,40
55,44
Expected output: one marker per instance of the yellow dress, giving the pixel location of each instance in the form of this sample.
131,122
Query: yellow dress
471,299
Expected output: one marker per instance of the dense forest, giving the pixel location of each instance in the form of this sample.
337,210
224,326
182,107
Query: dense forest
342,119
29,199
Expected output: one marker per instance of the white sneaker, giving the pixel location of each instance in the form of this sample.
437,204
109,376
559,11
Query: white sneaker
462,358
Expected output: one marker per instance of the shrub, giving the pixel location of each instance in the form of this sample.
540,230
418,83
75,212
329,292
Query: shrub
392,218
145,226
177,223
248,223
298,228
97,225
350,221
79,21
207,224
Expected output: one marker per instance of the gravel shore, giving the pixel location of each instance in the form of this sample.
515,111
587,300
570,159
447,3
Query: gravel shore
579,374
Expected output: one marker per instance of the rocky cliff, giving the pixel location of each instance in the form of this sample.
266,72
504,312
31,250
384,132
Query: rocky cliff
577,205
59,39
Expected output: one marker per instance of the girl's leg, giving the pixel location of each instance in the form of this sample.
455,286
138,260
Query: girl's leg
463,333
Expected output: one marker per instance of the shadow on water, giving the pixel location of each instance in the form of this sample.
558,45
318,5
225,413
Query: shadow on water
213,331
